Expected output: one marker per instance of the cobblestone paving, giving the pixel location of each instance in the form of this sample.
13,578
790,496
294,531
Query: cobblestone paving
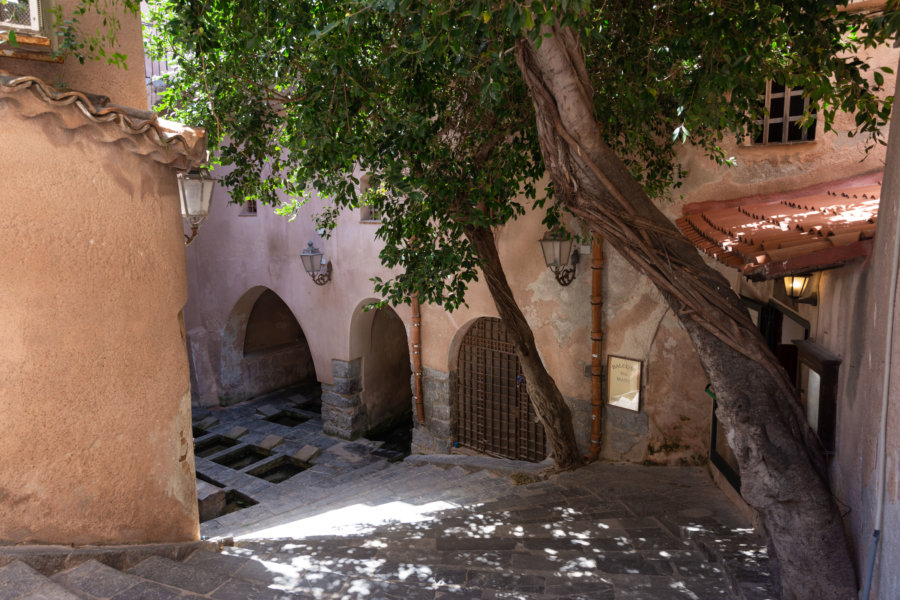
603,532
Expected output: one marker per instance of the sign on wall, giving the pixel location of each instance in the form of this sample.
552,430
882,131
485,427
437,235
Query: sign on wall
623,382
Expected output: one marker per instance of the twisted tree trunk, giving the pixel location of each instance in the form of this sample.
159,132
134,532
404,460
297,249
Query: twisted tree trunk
782,470
548,403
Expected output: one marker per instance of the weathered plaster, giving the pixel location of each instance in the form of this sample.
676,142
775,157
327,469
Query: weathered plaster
679,410
124,86
97,445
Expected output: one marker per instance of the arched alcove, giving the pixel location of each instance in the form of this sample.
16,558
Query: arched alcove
263,348
378,337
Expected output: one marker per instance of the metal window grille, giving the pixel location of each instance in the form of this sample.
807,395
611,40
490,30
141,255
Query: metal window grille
785,107
494,413
21,15
249,208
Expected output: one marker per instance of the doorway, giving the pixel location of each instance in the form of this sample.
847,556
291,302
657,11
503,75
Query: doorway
493,412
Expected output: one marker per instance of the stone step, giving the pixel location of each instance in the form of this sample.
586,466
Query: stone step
95,580
18,581
226,566
384,487
214,575
177,575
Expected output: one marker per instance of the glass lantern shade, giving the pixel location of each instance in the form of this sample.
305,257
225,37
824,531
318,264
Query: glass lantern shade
557,251
195,191
312,259
795,285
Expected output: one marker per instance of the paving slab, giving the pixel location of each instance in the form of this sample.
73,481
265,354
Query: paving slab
356,526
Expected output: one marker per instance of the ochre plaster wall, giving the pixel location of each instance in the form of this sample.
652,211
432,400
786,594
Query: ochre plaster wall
94,389
123,86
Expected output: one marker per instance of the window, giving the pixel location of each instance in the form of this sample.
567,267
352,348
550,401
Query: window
370,214
248,208
817,380
27,19
785,106
21,15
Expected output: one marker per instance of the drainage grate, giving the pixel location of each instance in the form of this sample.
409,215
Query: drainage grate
243,457
280,469
213,445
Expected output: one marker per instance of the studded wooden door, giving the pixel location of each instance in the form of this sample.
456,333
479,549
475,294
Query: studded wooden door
493,412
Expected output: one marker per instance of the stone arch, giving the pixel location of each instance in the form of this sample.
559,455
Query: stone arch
263,348
378,338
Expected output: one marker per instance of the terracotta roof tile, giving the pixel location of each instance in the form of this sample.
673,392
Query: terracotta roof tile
161,140
798,230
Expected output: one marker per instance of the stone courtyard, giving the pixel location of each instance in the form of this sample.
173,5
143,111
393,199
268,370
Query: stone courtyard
357,523
304,515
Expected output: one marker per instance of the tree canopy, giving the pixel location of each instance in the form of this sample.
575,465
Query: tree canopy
455,109
427,98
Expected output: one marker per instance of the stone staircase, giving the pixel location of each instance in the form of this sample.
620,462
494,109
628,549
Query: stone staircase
201,574
452,532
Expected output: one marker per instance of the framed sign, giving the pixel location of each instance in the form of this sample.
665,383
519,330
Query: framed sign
623,382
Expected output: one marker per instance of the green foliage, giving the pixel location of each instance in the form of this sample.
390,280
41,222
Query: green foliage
427,99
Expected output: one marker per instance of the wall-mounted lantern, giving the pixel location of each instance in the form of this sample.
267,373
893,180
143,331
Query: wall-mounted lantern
795,287
558,256
315,265
195,190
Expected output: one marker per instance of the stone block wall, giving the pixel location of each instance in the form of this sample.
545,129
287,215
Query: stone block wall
436,435
625,433
343,412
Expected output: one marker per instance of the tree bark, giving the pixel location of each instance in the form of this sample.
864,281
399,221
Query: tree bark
782,469
548,403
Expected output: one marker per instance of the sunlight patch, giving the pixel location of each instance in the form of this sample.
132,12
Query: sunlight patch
356,519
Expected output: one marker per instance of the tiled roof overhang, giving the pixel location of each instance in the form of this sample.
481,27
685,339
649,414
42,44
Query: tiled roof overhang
164,141
772,235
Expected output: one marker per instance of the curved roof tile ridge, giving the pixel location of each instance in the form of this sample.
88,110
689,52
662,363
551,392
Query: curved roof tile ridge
188,143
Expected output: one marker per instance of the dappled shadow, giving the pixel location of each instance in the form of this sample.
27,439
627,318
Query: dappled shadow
545,542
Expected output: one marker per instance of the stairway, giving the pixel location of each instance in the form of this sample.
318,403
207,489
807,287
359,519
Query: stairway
202,574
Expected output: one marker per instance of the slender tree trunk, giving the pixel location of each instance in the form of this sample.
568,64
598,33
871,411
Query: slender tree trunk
548,403
782,470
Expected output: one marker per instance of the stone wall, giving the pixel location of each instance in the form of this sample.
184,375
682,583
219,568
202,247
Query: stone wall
269,370
343,412
436,435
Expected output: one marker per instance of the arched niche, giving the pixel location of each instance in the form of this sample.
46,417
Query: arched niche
378,338
263,348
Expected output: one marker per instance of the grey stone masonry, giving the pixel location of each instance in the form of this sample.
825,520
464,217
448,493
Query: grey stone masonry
343,412
436,435
625,430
